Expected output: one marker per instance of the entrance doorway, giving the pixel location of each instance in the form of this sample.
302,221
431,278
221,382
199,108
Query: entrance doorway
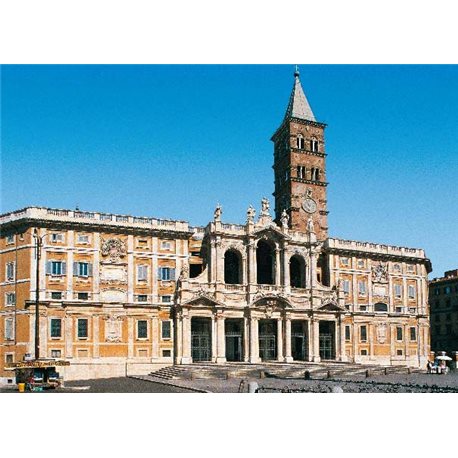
267,340
327,340
201,339
299,348
234,339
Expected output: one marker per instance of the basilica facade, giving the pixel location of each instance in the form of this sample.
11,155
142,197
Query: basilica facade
120,293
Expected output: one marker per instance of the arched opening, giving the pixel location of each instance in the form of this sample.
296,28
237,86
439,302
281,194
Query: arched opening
300,141
297,272
232,268
265,263
380,307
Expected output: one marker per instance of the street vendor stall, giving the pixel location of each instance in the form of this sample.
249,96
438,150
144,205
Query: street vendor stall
37,375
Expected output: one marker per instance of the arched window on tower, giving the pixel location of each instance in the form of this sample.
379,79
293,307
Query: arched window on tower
301,171
232,267
315,174
314,145
300,141
297,271
265,262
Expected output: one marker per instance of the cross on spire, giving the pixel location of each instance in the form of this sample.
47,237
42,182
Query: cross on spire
298,106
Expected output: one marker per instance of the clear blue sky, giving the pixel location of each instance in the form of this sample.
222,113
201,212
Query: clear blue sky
172,141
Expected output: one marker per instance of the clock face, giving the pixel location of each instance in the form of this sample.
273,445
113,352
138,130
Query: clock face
309,205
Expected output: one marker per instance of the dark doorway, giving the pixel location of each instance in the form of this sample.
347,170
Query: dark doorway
267,340
297,272
265,264
232,270
234,339
327,340
299,347
201,339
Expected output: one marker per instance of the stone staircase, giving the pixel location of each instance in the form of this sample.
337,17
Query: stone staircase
278,370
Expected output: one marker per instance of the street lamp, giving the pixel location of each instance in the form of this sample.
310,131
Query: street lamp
38,245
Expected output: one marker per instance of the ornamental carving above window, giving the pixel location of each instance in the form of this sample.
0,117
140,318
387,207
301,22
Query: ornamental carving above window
114,248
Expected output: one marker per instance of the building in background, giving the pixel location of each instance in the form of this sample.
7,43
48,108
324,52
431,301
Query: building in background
131,293
443,300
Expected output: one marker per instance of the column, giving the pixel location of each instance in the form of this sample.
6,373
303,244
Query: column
313,270
69,337
71,247
221,339
186,359
179,340
213,260
130,337
343,353
96,268
405,298
286,279
371,340
406,340
277,267
280,339
310,348
43,335
392,343
254,344
251,263
246,339
354,339
155,337
288,357
214,340
96,337
316,340
130,269
244,269
154,279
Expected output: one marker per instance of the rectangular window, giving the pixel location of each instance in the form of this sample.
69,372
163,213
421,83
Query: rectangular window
56,268
361,263
9,358
82,328
9,329
362,287
346,287
166,329
399,352
411,292
413,334
10,298
363,333
142,298
397,290
56,327
399,309
56,295
10,271
410,268
83,269
166,299
347,333
363,352
83,296
9,239
447,290
84,239
57,238
142,329
344,261
166,245
166,353
56,353
398,333
166,274
142,273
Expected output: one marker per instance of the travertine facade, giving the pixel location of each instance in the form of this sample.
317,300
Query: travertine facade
121,293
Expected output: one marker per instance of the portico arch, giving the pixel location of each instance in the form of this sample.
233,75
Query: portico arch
265,263
297,271
232,267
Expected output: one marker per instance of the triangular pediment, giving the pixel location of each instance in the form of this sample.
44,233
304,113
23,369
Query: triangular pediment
270,231
203,300
331,307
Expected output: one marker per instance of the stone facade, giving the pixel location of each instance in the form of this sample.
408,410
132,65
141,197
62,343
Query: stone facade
130,294
443,299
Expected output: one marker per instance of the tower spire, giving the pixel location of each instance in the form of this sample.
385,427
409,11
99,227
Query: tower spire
298,106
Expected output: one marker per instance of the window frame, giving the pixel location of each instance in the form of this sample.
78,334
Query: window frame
51,320
146,329
169,323
142,268
80,337
10,331
399,331
9,295
361,327
10,271
414,329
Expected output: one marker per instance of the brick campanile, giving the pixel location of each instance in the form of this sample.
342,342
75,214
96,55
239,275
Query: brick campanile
299,166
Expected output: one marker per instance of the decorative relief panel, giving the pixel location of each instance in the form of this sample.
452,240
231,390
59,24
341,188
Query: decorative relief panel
113,295
380,273
113,274
381,333
113,328
113,248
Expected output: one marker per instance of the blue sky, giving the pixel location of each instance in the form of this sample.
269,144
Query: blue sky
171,141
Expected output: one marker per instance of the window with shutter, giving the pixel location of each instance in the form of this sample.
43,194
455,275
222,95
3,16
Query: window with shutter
10,271
166,329
363,333
56,329
9,329
142,273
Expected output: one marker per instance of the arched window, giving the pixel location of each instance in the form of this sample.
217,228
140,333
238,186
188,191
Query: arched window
265,262
380,307
297,272
314,145
300,141
232,268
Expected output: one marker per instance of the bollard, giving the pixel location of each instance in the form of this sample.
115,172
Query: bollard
337,389
307,375
262,374
252,387
368,373
409,371
328,375
386,371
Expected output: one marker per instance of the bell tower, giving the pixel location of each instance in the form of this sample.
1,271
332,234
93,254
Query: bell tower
299,166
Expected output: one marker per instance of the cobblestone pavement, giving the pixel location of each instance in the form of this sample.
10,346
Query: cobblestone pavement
111,385
394,383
